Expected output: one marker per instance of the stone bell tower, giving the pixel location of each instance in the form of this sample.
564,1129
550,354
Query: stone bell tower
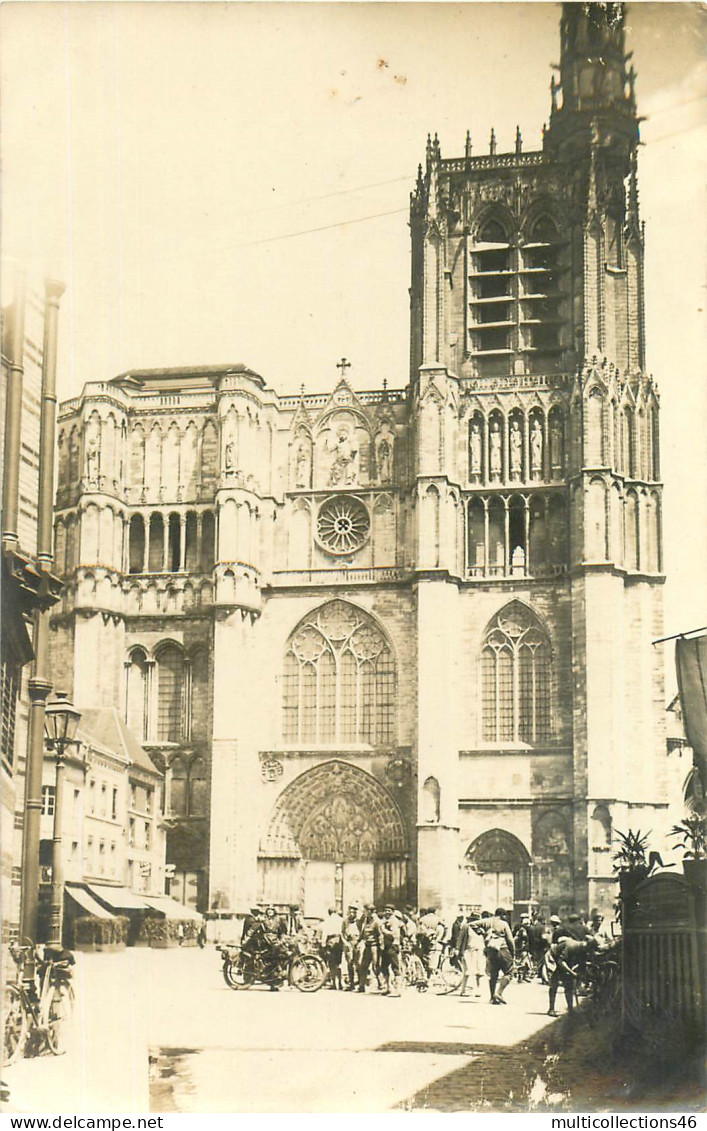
538,494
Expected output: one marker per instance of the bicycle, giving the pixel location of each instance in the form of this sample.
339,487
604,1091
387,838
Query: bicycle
600,981
444,974
38,1005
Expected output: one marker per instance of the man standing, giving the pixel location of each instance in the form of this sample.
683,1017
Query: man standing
350,936
538,941
456,929
333,944
295,922
368,950
500,950
391,938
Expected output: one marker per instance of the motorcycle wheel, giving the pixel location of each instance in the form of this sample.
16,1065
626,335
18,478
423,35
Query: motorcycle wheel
237,975
307,973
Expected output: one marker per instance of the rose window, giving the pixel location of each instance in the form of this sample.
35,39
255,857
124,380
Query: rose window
343,525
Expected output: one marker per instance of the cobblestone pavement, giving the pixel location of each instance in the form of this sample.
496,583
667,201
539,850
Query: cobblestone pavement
215,1049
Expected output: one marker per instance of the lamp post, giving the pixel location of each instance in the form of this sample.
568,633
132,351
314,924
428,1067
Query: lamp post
60,722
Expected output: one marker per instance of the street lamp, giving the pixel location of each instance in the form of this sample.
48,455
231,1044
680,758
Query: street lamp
60,722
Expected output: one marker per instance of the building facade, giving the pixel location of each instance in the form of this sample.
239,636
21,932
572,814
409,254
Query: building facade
29,334
112,829
396,644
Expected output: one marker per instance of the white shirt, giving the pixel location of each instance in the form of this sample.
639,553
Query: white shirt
332,926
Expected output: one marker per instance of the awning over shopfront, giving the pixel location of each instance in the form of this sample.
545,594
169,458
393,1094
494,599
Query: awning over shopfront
172,909
120,899
87,903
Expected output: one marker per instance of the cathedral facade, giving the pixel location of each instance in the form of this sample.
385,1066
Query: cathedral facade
396,644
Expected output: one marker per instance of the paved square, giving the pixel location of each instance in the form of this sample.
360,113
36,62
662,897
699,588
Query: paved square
218,1050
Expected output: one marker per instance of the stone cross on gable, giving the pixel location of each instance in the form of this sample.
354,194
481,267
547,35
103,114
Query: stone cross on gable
343,365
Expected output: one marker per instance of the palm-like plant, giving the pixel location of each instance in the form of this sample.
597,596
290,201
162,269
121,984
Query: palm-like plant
631,852
692,831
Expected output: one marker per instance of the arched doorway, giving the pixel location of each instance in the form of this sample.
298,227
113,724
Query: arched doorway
496,871
335,836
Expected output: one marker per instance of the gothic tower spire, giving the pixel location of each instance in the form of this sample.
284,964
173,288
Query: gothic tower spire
596,91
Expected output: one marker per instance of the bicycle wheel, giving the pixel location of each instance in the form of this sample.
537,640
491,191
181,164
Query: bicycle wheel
407,969
307,973
450,973
58,1014
418,974
14,1025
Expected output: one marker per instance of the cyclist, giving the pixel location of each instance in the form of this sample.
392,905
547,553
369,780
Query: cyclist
566,960
271,931
521,938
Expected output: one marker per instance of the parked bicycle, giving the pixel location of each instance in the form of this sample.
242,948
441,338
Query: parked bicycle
600,980
443,976
304,970
39,1003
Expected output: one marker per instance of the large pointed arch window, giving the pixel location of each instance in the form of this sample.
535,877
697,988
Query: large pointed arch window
516,661
170,694
339,679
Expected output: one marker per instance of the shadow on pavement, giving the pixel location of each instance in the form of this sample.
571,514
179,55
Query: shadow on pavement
569,1065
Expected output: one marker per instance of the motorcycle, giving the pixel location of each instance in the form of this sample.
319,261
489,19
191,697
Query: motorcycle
241,969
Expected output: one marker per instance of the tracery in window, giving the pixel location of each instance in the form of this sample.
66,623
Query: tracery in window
170,694
516,663
339,679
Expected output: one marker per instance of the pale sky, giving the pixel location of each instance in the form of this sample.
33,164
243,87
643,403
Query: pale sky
161,158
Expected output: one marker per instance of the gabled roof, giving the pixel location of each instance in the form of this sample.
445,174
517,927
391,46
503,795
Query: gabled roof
104,727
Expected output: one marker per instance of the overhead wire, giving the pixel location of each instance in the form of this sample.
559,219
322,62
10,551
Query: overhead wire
320,228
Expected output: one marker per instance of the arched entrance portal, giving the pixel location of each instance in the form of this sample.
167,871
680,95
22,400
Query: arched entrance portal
496,871
335,836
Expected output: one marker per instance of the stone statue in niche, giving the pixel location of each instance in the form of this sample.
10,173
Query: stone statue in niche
384,454
303,465
516,447
385,460
344,468
93,449
536,450
475,448
496,461
229,445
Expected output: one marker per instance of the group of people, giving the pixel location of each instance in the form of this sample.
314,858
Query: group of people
366,946
558,950
364,942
